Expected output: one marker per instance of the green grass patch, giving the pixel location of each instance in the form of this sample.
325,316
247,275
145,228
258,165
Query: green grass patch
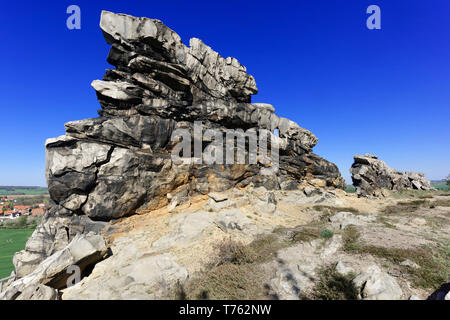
326,234
350,188
442,186
28,191
327,211
11,241
305,235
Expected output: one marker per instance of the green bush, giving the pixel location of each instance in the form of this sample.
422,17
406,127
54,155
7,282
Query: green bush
327,234
350,188
334,286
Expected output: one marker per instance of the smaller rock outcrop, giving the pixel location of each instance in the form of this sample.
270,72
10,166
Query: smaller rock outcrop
52,274
371,175
375,284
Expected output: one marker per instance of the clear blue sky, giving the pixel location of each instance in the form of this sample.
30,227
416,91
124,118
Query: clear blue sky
385,91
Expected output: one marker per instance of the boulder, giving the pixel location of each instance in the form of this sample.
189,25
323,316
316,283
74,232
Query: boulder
83,251
375,284
38,292
343,269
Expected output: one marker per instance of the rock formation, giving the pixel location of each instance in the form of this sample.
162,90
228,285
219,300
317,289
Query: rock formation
106,168
370,175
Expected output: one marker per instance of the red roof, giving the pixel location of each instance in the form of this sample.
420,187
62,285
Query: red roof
37,211
22,207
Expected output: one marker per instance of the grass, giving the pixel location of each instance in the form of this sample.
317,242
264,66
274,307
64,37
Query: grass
440,203
234,273
420,194
326,234
332,285
11,241
434,262
442,186
386,222
328,211
225,282
305,235
413,205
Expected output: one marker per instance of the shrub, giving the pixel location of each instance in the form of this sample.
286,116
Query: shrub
334,286
327,234
229,251
434,264
226,281
350,188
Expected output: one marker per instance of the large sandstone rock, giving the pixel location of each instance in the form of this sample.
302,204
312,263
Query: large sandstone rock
370,175
106,168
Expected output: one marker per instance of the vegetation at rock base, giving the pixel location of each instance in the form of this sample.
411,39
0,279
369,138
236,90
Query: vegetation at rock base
332,285
414,205
434,261
236,270
326,234
330,210
234,273
350,188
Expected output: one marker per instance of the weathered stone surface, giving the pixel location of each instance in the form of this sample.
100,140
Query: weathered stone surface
38,292
371,175
344,219
53,234
343,269
375,284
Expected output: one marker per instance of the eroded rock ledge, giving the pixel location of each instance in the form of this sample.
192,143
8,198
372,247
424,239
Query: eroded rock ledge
371,175
108,167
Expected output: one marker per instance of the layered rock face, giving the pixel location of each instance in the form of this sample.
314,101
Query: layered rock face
370,175
108,167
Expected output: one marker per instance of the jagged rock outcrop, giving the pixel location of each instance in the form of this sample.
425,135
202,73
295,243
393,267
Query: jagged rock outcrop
370,175
106,168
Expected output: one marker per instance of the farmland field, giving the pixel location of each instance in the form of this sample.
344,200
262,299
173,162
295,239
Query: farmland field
11,241
27,191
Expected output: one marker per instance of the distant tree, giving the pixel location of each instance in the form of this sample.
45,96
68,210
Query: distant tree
21,222
448,180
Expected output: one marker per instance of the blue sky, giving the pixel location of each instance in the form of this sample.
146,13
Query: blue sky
384,91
